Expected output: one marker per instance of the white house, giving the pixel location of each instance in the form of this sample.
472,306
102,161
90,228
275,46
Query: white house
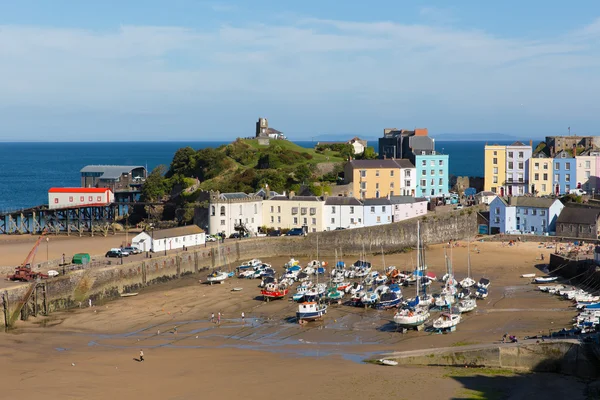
79,197
358,145
485,197
230,210
342,212
377,211
408,178
170,239
405,207
519,214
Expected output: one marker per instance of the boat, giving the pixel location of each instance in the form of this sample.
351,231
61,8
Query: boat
466,305
528,276
545,279
483,283
236,289
52,273
468,281
249,264
274,291
128,294
369,298
481,293
354,288
310,311
446,320
388,300
334,294
388,362
217,277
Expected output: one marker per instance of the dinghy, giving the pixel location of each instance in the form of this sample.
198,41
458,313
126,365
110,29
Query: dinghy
446,321
217,277
528,276
545,279
388,362
128,294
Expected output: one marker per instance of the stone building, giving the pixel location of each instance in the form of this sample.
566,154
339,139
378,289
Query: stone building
228,213
578,222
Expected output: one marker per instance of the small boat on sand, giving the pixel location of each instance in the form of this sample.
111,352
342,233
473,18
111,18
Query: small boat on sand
467,305
446,321
273,291
310,311
528,276
387,362
217,277
545,279
128,294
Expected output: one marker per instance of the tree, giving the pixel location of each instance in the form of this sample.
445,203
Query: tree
303,173
368,154
183,162
156,185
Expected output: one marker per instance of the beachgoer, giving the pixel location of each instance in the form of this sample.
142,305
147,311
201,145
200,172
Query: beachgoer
219,318
90,302
212,317
175,330
243,318
141,355
542,256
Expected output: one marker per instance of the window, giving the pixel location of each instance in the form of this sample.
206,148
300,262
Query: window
389,218
495,179
441,172
424,163
497,210
495,161
363,185
495,170
536,166
382,208
510,165
432,172
377,194
587,174
441,182
212,210
363,173
222,211
545,177
305,221
303,211
568,166
294,210
90,198
432,163
534,212
525,211
333,220
423,182
314,221
392,172
557,166
520,165
536,176
351,220
495,153
518,211
542,212
520,177
378,219
407,173
313,211
241,210
377,172
391,192
351,209
272,208
497,220
70,199
279,220
255,209
333,209
432,182
567,177
222,222
407,183
543,188
295,220
372,210
520,154
56,200
567,188
546,166
587,164
424,172
510,154
272,219
279,209
392,185
556,177
81,198
377,185
441,163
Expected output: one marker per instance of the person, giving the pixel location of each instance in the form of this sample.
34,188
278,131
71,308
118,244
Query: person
219,318
141,355
504,337
542,256
175,330
90,302
243,318
212,317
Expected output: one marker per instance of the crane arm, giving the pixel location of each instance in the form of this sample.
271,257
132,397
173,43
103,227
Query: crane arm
31,254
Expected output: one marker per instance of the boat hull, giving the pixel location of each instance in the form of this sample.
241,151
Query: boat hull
310,315
276,294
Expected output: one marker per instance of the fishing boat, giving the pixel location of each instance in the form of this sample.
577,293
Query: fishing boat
446,320
249,264
388,300
545,279
274,291
354,288
334,294
483,283
468,281
481,293
217,277
369,298
528,276
310,311
466,305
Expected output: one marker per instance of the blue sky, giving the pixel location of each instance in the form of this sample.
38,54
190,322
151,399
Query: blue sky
183,69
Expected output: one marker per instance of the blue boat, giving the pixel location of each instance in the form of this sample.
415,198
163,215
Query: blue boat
388,300
310,311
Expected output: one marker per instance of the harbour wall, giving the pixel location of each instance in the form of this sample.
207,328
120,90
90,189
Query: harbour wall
99,284
567,357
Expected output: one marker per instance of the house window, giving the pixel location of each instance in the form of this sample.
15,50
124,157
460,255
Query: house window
90,198
536,166
432,163
525,211
510,165
278,220
545,177
303,211
441,162
294,210
520,154
587,164
222,222
376,172
272,219
305,221
441,172
495,170
567,177
314,221
424,163
432,172
212,211
587,174
377,194
70,199
333,220
351,209
495,153
424,172
495,161
534,212
556,166
241,210
377,185
372,210
406,183
495,179
363,185
556,177
432,182
441,181
222,211
313,211
378,219
568,166
518,211
510,154
333,210
272,208
520,165
497,210
567,188
391,192
542,212
546,166
351,220
363,173
497,220
423,182
543,187
407,173
81,198
382,208
392,172
392,185
295,220
536,176
278,209
255,209
56,200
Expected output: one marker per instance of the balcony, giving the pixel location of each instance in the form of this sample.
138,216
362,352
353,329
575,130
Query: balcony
516,182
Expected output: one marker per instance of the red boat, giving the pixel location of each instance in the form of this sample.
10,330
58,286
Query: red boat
273,291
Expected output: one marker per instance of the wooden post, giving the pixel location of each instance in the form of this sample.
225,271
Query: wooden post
5,310
35,305
178,263
144,272
196,262
44,302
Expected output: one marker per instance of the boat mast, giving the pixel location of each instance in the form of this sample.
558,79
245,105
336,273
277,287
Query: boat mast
469,258
419,270
382,257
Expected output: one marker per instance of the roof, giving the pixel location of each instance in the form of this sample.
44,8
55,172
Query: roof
422,143
342,201
524,201
274,131
383,201
176,232
486,193
111,171
579,215
402,200
78,190
232,196
387,163
518,143
296,198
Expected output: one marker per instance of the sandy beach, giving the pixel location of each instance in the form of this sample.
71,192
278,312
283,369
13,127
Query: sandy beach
90,352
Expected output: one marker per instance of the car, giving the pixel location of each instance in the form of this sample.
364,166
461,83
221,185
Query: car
275,232
458,207
577,192
132,250
211,238
296,232
234,235
339,228
112,253
120,252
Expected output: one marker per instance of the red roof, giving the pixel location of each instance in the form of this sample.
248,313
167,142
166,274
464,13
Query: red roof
78,190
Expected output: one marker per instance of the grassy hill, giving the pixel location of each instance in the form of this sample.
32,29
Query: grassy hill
286,145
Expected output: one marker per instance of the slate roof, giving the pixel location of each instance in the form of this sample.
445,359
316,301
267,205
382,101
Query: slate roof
402,200
296,198
422,143
176,232
342,201
110,171
518,143
377,202
522,201
233,196
387,163
578,215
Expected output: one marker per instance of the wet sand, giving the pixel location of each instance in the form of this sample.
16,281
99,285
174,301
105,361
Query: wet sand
269,355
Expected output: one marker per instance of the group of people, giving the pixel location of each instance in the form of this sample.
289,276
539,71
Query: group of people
506,338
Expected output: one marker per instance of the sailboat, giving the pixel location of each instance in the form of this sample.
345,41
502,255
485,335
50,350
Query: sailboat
446,297
447,320
417,314
312,310
218,276
468,281
466,305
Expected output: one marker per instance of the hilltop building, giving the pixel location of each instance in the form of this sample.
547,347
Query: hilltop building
358,145
264,134
557,144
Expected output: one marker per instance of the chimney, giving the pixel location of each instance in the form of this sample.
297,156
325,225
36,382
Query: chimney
292,194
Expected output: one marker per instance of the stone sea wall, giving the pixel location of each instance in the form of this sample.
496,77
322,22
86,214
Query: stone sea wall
99,284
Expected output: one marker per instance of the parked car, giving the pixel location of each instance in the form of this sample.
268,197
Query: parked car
131,250
112,253
276,232
339,228
296,232
120,252
577,192
458,207
211,238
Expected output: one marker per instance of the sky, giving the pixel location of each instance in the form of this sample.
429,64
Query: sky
74,70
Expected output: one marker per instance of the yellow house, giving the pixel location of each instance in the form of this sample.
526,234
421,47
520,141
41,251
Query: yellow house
495,168
291,211
371,179
540,174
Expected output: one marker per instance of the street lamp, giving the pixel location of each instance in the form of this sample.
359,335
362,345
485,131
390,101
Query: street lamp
47,240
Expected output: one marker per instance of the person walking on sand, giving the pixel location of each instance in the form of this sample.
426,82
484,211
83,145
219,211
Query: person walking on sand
243,318
90,302
219,318
141,355
212,318
175,330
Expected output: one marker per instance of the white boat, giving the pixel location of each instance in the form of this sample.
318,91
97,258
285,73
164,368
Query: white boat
411,318
545,279
217,277
468,281
467,305
310,311
128,294
483,283
444,300
528,276
52,273
388,362
446,320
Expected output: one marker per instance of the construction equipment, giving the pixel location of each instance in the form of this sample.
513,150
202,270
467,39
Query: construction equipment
23,272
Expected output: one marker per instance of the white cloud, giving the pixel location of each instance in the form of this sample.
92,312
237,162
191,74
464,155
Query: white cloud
438,75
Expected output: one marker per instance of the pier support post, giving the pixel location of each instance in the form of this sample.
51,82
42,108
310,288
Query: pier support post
5,310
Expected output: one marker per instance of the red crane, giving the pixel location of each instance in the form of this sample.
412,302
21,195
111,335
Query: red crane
23,272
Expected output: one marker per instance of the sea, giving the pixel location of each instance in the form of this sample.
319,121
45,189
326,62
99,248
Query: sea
29,169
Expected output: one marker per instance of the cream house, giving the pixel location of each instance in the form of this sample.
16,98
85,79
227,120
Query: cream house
291,211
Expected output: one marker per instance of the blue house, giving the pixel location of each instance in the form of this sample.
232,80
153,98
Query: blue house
432,174
565,173
533,215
